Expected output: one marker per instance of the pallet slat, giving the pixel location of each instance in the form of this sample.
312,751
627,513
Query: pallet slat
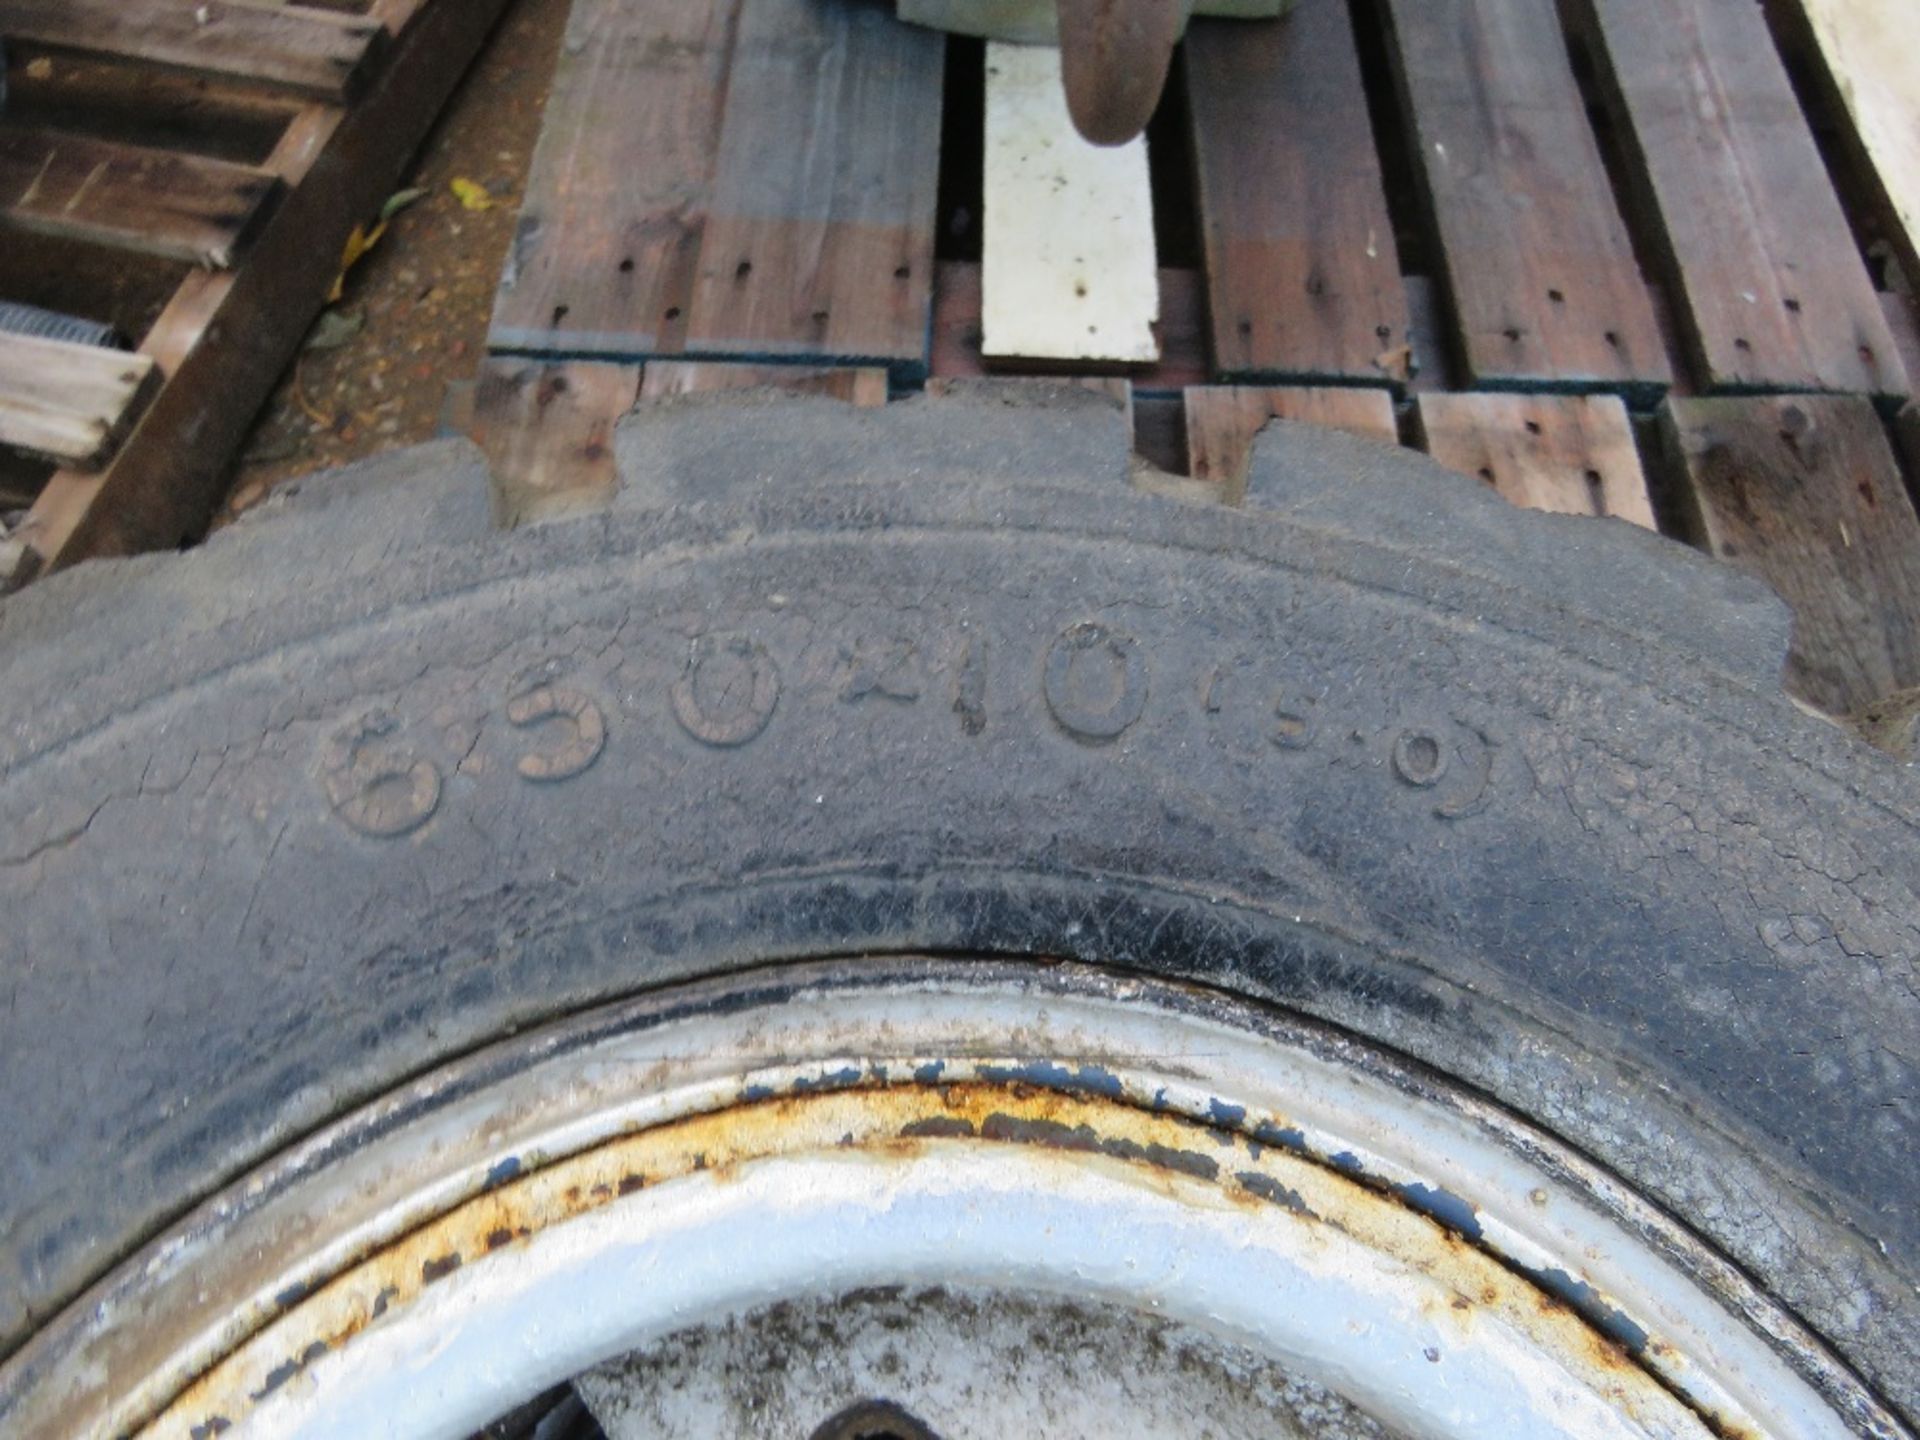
1804,492
66,401
1070,272
547,430
1772,293
227,336
1303,275
1866,50
609,234
155,202
324,56
1543,287
1570,454
1223,421
819,240
1183,345
865,386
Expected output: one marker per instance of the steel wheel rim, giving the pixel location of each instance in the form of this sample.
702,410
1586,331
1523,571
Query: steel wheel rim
964,1084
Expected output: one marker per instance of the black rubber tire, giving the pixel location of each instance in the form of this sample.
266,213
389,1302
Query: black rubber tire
363,783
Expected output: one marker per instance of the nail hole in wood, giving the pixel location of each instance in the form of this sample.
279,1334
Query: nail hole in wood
560,312
743,270
1793,305
1556,297
626,266
1533,427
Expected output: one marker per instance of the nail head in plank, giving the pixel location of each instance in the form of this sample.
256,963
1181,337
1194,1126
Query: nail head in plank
1803,491
228,336
819,242
324,56
1303,275
1543,287
604,256
1570,454
155,202
68,402
1772,292
1223,420
547,430
1069,271
865,386
1869,59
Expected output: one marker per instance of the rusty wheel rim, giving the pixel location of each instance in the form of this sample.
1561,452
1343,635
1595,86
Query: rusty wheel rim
1018,1129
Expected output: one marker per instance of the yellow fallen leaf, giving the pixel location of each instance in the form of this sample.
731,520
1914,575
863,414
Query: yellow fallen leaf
358,244
471,194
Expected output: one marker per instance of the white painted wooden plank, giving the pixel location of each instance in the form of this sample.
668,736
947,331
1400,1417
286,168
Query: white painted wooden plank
1037,22
1069,270
1869,49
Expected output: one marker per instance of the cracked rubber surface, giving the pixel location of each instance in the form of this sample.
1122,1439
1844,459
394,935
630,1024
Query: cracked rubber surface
362,784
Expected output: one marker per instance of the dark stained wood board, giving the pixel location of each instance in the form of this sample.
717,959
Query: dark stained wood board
156,202
1543,288
720,180
1804,492
1223,420
1772,294
819,240
304,52
1303,273
1570,454
227,336
616,200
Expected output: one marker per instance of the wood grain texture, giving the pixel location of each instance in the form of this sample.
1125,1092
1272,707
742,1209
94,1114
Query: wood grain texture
547,430
1069,271
68,402
156,202
325,56
603,262
1183,344
1803,491
865,386
1867,57
1303,275
1771,292
1223,420
1571,454
1542,284
819,238
227,336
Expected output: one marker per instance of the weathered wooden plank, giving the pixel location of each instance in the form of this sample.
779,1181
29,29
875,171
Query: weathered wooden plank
865,386
228,336
1772,293
547,430
1303,276
1543,287
1571,454
603,263
819,240
69,402
1069,271
1222,421
325,56
1183,345
156,202
1037,22
1803,491
1868,60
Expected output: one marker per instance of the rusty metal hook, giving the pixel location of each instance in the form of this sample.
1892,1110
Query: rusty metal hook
1115,55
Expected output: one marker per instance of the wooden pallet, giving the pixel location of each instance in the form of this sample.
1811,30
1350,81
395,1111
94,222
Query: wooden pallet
219,154
1514,235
